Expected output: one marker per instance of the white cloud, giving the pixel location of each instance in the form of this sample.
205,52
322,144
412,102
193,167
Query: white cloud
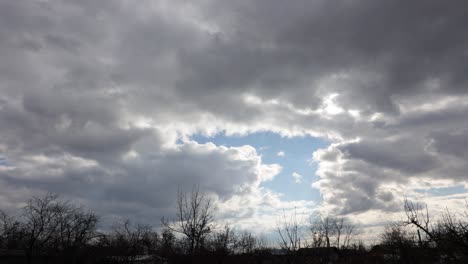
297,177
280,154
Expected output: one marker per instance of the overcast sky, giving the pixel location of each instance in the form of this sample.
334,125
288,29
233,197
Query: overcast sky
344,107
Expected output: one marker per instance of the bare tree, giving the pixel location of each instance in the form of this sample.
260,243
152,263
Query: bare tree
262,244
331,231
194,218
399,241
289,232
344,231
323,228
130,240
396,235
51,224
224,241
168,240
417,214
449,234
349,233
40,223
10,231
5,221
247,243
75,228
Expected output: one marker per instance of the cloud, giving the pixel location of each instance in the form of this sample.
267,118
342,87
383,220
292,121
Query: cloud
98,98
297,177
145,183
280,154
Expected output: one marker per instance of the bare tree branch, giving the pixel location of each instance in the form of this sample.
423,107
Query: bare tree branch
194,219
289,232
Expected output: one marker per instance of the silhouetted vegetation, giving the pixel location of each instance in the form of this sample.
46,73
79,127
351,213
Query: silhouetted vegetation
195,216
51,230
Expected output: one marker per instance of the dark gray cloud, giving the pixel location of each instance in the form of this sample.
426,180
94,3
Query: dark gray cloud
148,181
94,96
389,50
401,154
454,143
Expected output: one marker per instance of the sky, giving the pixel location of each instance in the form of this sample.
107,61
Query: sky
342,107
293,155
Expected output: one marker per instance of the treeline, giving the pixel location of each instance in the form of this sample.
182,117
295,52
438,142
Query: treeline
418,238
51,230
422,239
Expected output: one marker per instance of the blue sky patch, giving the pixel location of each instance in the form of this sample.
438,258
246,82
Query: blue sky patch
3,161
456,189
293,154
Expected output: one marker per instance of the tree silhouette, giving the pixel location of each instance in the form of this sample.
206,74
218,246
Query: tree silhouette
194,218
